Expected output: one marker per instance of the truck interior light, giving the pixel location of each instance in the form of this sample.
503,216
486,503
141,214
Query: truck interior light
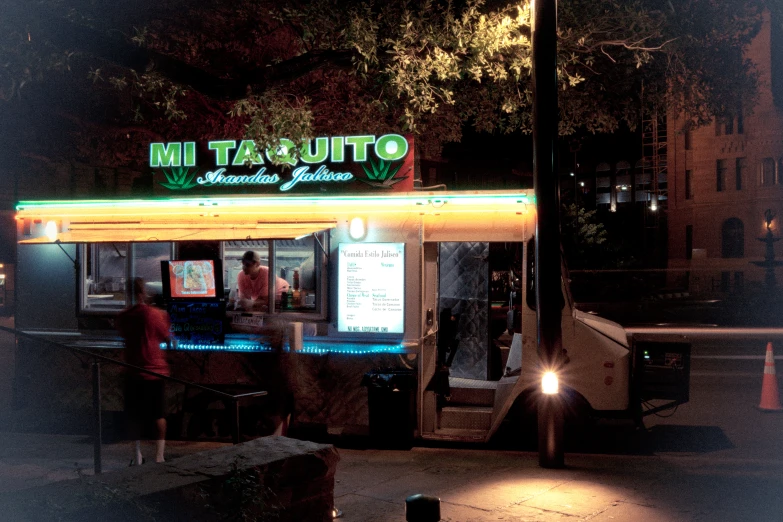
356,228
51,230
549,385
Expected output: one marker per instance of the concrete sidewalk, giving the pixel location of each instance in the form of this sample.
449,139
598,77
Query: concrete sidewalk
28,460
474,485
484,486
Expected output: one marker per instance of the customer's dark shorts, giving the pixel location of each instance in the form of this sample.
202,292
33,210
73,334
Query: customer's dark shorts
145,400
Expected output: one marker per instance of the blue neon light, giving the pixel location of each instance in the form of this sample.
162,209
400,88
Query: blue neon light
309,348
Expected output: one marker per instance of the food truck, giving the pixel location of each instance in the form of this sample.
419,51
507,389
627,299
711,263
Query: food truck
372,277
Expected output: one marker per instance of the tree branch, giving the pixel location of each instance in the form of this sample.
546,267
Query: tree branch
140,60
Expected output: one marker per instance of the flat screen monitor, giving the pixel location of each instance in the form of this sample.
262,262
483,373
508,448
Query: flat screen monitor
197,279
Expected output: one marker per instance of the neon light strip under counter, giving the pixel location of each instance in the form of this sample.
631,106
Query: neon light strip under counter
309,348
217,203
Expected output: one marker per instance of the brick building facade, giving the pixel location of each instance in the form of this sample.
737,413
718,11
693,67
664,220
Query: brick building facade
723,178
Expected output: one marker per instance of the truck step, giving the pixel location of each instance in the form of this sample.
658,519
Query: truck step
472,397
457,435
465,418
472,392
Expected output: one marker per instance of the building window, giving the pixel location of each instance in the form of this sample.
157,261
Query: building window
603,190
719,126
741,167
732,238
740,121
729,125
688,137
688,184
720,174
768,171
688,241
624,187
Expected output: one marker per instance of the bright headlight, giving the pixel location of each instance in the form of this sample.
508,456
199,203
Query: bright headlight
549,383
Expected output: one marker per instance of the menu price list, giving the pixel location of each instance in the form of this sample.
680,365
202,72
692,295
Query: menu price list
372,287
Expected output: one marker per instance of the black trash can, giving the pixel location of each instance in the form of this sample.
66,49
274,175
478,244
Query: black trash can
392,403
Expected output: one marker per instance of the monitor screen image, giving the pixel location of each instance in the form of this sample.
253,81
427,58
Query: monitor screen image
192,279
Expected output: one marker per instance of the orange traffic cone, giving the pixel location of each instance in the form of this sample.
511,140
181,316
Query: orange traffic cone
770,398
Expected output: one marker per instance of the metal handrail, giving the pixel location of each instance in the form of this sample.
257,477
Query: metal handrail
96,381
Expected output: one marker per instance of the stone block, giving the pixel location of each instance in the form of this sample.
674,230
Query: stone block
270,478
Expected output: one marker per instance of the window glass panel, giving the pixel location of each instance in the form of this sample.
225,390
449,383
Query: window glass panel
146,264
643,186
688,185
741,167
255,290
732,238
603,190
720,172
295,264
105,276
768,171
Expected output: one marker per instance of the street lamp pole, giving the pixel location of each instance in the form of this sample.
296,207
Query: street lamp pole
549,296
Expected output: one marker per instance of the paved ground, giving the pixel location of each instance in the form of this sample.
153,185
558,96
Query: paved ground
33,459
717,459
476,485
483,486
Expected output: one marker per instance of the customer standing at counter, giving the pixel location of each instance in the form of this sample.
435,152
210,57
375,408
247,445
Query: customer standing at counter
253,283
144,328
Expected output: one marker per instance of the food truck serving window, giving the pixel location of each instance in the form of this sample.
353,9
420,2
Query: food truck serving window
295,264
295,268
106,268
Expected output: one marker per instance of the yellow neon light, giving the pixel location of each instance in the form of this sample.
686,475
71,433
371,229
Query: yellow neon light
414,198
152,220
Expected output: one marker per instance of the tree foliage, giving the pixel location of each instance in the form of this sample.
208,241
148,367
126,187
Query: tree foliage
588,245
187,69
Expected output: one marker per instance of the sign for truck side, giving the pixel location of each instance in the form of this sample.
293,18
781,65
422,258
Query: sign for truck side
371,288
325,164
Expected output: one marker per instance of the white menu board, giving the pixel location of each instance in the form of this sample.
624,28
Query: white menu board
371,288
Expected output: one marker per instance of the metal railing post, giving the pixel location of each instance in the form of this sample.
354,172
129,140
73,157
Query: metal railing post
96,387
235,430
96,408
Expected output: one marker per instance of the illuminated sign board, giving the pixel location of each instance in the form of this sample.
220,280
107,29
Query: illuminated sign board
191,279
371,288
325,164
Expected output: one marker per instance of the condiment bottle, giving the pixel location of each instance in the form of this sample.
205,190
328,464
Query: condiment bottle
297,296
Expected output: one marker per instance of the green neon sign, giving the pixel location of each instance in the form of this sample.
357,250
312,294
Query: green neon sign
374,160
335,149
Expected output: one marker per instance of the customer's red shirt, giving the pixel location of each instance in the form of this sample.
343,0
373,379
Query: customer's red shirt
144,327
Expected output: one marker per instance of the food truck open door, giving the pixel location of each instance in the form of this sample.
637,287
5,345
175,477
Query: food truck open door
429,326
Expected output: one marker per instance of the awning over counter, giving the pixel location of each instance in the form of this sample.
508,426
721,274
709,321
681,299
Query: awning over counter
113,232
257,218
